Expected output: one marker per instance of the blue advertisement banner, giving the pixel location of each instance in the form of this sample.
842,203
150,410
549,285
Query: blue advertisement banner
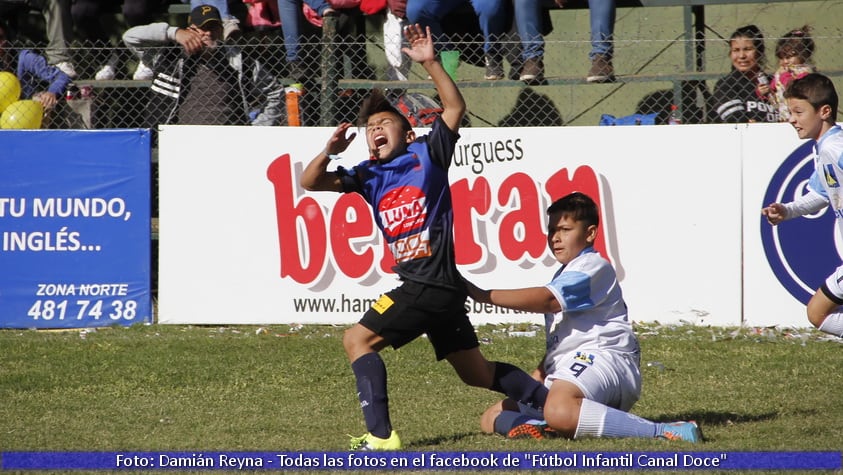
74,228
419,461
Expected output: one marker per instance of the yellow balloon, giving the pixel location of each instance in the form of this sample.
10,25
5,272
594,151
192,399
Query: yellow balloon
22,115
9,89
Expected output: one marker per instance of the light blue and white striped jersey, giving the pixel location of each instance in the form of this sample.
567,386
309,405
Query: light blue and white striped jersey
828,170
594,314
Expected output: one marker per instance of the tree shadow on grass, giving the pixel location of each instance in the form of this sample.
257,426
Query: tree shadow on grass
718,418
441,439
703,418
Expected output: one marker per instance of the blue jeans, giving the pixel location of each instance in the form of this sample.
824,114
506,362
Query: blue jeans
528,22
291,22
491,13
221,5
528,18
602,16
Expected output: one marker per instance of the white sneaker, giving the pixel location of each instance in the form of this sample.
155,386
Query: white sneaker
67,68
143,72
106,73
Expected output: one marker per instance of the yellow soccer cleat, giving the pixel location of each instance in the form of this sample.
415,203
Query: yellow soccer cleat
369,442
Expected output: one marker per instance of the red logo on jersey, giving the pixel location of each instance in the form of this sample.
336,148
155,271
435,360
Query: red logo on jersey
402,210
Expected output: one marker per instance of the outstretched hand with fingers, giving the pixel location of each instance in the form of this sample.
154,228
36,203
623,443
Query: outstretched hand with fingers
339,141
421,44
775,213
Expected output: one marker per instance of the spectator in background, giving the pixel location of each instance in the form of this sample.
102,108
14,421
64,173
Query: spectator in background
736,96
288,14
493,24
38,80
199,81
230,23
141,12
59,28
601,15
398,66
795,52
86,17
532,26
292,21
59,34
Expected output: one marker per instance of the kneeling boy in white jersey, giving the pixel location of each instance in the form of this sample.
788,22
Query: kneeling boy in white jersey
812,102
592,358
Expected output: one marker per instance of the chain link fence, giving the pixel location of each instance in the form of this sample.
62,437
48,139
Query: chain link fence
248,81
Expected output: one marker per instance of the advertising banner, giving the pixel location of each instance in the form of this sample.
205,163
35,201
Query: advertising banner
242,242
785,264
74,228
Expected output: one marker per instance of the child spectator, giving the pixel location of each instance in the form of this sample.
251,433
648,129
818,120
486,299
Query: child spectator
812,102
592,357
795,51
38,80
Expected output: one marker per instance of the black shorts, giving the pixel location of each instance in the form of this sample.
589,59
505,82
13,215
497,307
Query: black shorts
404,313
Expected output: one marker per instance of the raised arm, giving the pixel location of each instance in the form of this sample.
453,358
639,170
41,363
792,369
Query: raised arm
421,51
316,176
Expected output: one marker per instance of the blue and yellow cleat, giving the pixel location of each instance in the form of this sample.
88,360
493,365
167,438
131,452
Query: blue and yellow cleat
371,442
687,431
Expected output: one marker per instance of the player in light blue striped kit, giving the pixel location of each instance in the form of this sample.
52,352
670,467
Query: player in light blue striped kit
812,102
592,357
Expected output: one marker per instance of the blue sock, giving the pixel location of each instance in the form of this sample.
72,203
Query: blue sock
507,420
518,385
371,390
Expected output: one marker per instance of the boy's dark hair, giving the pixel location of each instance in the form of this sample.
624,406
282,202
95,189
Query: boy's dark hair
815,88
378,102
579,206
796,43
753,33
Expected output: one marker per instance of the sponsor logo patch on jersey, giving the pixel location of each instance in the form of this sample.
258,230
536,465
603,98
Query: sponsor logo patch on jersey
831,177
584,357
402,210
800,251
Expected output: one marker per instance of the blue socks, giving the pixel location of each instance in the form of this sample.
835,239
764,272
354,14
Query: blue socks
508,420
371,390
518,385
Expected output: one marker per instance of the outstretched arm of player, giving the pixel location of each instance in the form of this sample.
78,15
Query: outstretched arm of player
809,203
528,299
316,176
421,51
775,213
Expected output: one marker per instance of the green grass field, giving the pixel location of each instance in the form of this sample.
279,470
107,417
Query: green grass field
282,388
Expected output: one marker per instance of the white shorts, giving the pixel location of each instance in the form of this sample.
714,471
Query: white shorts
611,378
833,286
